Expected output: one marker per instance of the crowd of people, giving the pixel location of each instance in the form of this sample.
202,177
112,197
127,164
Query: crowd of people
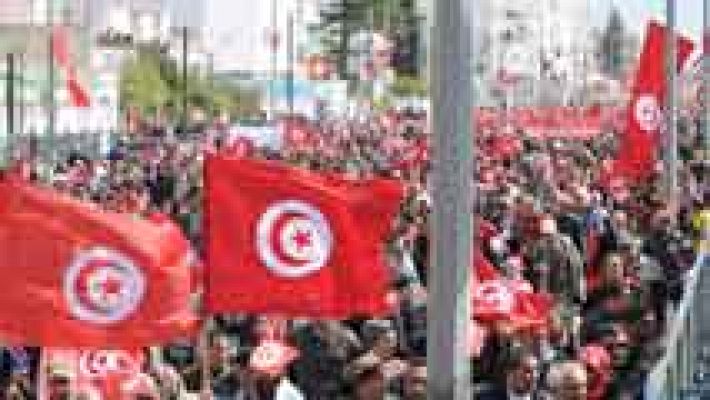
612,258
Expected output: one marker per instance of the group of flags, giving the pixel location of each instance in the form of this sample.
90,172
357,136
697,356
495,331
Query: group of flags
279,240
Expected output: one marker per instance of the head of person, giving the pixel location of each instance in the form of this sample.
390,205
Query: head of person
370,384
613,273
383,337
59,382
522,374
617,341
568,381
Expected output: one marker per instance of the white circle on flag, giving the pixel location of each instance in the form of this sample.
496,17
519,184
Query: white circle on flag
103,286
495,296
293,239
99,363
648,113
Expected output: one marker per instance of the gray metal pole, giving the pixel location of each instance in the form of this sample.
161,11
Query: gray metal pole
52,95
671,107
10,98
185,111
273,38
706,78
452,105
290,55
21,92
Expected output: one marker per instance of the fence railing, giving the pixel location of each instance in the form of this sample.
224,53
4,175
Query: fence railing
674,373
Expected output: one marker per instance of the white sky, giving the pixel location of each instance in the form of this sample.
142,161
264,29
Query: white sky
239,25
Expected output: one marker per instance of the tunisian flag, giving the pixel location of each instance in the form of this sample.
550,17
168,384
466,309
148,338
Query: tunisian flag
75,276
287,241
645,119
77,94
96,374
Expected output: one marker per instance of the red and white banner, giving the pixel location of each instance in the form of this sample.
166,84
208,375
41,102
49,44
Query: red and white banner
94,374
551,122
290,242
76,276
645,116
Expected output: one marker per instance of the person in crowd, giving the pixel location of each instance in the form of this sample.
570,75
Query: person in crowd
613,259
568,381
520,380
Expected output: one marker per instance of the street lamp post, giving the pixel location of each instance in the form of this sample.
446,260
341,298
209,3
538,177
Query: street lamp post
452,177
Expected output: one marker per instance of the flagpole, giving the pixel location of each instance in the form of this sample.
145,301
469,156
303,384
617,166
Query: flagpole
671,106
452,104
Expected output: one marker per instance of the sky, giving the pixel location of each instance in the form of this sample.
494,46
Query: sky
689,16
239,25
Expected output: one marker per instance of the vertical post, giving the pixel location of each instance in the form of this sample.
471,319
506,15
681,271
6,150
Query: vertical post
210,67
273,44
185,111
671,103
290,54
452,105
21,92
706,97
52,95
10,103
706,84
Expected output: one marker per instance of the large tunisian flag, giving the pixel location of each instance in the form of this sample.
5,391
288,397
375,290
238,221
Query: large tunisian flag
291,242
644,116
75,276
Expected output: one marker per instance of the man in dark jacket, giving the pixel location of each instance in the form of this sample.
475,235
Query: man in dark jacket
520,382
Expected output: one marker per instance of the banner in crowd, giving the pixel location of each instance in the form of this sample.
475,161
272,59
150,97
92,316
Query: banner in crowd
290,242
551,122
76,276
645,116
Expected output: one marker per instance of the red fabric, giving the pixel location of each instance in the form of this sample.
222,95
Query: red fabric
531,310
637,152
53,297
598,363
510,301
111,374
77,94
60,45
485,229
246,270
483,267
241,147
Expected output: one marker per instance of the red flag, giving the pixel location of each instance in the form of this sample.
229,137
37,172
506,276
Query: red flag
483,267
291,242
60,45
272,357
644,114
76,276
77,95
106,374
511,301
